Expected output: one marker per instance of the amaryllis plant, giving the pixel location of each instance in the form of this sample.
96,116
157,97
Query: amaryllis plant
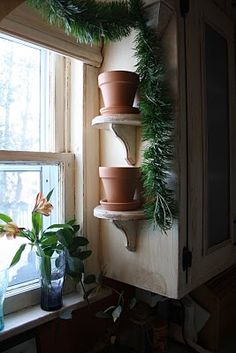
56,237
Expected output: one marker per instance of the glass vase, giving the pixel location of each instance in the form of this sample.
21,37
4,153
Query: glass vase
52,273
3,288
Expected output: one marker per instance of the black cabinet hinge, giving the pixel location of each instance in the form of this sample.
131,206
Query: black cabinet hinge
186,259
184,7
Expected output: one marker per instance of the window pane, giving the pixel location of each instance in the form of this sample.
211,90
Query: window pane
19,185
23,76
218,163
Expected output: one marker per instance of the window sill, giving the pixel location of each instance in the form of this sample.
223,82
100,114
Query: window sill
33,316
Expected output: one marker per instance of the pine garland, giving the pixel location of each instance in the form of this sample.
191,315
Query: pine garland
92,21
157,126
88,20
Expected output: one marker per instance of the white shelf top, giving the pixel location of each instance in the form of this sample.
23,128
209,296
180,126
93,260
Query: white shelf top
104,121
100,212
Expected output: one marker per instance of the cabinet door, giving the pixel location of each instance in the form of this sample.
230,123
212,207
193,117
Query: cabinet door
210,89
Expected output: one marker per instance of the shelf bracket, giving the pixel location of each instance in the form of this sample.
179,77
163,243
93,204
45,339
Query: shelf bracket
129,230
127,135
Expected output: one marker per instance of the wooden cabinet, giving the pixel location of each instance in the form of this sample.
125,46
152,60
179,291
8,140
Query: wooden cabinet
199,47
210,106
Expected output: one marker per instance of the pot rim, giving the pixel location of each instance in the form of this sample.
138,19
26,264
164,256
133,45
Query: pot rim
118,71
130,77
119,172
121,168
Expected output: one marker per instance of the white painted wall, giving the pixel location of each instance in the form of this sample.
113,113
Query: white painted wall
154,265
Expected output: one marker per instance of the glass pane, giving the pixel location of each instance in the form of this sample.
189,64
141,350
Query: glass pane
218,164
22,78
19,185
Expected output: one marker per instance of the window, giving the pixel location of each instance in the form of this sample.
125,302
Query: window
24,73
34,86
18,186
67,146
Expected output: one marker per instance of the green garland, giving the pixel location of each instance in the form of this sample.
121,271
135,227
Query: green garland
157,129
92,21
88,20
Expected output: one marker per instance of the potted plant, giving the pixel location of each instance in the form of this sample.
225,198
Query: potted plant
118,91
59,249
120,184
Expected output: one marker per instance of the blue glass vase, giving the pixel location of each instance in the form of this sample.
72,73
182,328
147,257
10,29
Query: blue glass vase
3,288
52,273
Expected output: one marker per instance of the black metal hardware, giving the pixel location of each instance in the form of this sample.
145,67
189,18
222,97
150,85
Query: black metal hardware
186,258
184,7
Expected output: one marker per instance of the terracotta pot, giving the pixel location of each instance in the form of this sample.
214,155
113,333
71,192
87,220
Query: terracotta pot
119,183
118,90
120,206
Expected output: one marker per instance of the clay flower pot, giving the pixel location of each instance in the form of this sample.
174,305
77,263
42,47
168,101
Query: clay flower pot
118,90
119,185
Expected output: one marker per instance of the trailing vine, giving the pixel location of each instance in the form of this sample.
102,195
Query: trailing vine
92,21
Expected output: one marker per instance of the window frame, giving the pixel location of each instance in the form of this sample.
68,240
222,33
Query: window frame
30,293
79,152
59,116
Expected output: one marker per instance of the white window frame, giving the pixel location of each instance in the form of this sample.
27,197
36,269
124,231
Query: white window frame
29,294
59,76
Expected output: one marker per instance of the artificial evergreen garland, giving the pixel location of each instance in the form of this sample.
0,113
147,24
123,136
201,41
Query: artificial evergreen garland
92,21
88,20
157,129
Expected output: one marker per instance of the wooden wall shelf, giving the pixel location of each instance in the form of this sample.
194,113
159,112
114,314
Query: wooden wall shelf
123,126
125,221
105,121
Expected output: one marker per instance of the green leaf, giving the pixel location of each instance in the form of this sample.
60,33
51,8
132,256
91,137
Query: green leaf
71,222
110,309
26,234
45,267
65,237
37,222
89,279
84,254
59,247
74,264
76,277
132,303
48,234
121,297
76,228
61,226
49,240
116,313
5,218
102,315
59,262
49,194
48,251
17,255
77,242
